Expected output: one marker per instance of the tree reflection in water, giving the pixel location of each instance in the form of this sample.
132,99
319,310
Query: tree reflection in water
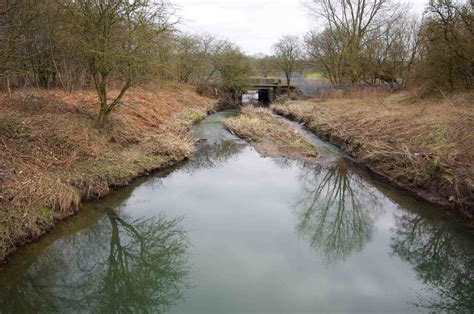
214,154
443,258
334,212
117,266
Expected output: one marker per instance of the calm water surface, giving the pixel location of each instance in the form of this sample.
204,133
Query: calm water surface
232,232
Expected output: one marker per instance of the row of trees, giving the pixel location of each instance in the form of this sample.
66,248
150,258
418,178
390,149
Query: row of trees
115,44
360,41
378,41
204,60
109,45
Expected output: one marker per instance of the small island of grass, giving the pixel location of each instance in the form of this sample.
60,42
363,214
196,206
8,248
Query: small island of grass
269,135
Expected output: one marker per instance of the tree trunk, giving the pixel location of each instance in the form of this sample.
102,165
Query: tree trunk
103,115
100,82
105,107
288,80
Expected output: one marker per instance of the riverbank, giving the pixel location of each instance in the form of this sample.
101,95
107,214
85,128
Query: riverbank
270,136
53,157
423,145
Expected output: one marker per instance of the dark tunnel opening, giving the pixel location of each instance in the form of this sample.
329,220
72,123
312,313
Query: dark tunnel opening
264,96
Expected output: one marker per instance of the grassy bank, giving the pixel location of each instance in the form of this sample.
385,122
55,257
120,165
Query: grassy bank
53,156
270,136
426,146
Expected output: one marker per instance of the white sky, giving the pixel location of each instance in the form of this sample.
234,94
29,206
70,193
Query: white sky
255,25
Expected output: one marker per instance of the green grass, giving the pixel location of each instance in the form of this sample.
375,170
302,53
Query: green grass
314,75
45,212
82,125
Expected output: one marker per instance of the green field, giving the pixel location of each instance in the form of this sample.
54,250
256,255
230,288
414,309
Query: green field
314,75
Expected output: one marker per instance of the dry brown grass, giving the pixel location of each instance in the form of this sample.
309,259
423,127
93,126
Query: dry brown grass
269,135
351,93
425,145
52,155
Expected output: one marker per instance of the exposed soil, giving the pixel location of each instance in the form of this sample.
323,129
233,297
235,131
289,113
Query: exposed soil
53,156
270,136
423,145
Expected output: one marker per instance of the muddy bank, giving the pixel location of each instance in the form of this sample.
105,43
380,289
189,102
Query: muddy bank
53,156
424,146
270,136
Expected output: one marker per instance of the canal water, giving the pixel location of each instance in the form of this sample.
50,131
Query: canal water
230,231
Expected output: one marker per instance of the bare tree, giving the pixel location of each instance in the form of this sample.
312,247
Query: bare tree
288,55
231,66
326,51
189,57
118,39
347,24
388,53
447,45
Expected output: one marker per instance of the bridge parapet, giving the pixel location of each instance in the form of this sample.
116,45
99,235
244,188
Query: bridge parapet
264,81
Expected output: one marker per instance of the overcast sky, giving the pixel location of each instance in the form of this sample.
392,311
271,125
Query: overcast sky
252,24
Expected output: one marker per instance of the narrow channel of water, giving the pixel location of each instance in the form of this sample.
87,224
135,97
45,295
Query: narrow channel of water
232,232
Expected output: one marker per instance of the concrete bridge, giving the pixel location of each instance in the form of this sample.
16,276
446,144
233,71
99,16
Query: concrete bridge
268,88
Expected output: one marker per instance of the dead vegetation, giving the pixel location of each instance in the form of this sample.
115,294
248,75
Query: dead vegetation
269,135
53,156
424,145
